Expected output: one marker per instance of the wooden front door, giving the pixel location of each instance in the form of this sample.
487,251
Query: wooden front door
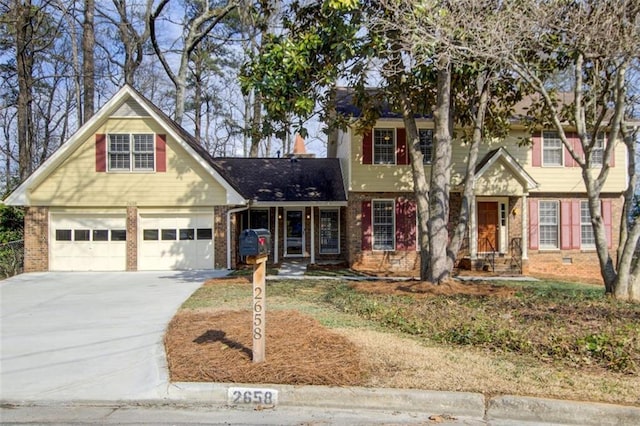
487,226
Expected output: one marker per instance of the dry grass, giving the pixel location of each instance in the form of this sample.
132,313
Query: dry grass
209,340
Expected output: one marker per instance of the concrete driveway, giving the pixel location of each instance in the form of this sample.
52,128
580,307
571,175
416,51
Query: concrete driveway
88,336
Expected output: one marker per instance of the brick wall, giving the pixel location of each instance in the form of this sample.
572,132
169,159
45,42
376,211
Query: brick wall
36,239
220,236
576,264
391,262
132,238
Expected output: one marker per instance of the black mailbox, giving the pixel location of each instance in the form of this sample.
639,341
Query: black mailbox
255,242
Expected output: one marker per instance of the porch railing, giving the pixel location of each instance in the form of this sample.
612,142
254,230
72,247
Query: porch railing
488,252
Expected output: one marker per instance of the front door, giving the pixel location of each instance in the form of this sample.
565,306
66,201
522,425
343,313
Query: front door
487,226
294,233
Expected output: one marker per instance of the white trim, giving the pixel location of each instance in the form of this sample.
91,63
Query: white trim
558,225
326,209
302,211
513,164
275,238
562,149
313,239
373,239
525,227
395,146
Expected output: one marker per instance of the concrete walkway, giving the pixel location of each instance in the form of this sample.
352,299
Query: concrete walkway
90,336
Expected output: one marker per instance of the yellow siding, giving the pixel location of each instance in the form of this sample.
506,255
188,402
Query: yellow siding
391,178
76,183
498,180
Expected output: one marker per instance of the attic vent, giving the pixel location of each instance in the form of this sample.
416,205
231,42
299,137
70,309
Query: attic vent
130,108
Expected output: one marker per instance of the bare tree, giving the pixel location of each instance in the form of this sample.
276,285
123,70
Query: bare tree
88,62
201,19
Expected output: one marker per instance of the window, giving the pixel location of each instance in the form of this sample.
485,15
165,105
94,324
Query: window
383,224
100,235
426,145
548,224
587,237
168,234
121,150
150,235
187,234
384,146
118,235
329,232
259,219
81,235
204,233
63,234
551,149
597,152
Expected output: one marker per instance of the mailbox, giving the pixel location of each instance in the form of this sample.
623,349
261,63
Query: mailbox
255,242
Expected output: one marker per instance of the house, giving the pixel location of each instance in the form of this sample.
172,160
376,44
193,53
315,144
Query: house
529,210
132,190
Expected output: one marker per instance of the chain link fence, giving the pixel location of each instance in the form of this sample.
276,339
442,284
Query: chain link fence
11,258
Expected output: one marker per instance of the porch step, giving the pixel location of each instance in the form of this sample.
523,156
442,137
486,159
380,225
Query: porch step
503,265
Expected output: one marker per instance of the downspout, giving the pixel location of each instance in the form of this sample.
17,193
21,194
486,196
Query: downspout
229,213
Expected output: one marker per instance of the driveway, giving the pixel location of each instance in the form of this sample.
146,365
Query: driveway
88,336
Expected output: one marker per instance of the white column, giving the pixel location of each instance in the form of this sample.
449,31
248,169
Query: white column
525,227
473,229
275,238
313,237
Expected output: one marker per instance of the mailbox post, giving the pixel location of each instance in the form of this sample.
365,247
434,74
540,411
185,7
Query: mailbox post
255,244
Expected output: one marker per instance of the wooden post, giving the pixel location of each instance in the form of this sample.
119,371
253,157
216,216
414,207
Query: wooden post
259,305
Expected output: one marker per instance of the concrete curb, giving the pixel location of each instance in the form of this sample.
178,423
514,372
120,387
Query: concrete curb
467,407
509,409
459,404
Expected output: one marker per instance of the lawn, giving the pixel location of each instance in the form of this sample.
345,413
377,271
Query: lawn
545,339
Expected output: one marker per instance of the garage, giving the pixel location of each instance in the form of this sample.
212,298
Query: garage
81,242
175,242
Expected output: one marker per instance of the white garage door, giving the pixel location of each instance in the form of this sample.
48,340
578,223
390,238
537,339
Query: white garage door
175,242
88,243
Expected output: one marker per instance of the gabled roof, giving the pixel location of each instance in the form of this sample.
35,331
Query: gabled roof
19,195
286,180
502,154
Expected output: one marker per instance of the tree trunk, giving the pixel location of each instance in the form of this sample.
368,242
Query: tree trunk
88,62
439,270
483,88
256,124
420,187
24,66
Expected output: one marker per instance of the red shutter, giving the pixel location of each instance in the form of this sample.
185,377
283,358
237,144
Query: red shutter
410,219
533,224
565,224
161,153
402,155
536,154
366,225
568,159
367,147
401,230
101,152
606,218
576,228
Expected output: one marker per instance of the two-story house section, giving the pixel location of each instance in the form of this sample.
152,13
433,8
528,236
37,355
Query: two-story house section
529,209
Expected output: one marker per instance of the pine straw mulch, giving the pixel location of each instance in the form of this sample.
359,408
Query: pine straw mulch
216,347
